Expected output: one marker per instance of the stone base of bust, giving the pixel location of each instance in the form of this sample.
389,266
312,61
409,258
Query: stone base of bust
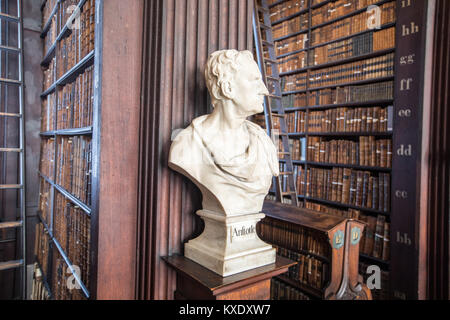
229,245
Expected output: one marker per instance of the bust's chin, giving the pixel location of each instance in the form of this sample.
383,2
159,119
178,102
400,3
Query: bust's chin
258,109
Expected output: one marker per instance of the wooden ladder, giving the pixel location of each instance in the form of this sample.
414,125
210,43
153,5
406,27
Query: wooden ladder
20,217
273,106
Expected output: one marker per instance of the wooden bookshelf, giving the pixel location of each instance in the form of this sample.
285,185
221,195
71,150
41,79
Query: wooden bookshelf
84,204
367,50
64,255
320,243
404,30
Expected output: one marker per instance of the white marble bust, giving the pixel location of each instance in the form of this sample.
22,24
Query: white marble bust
229,158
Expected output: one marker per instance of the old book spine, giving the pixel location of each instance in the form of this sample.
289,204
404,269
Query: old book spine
380,192
346,185
386,243
378,237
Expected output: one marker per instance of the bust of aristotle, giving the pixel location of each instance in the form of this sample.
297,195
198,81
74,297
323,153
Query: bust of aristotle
230,159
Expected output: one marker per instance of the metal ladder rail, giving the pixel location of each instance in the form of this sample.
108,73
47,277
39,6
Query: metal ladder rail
20,263
275,96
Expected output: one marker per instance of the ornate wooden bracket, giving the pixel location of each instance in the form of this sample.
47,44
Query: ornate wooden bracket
345,282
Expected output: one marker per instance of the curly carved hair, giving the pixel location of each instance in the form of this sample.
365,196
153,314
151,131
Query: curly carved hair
221,68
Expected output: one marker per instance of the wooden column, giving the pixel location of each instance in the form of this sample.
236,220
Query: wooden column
179,35
438,160
115,174
408,114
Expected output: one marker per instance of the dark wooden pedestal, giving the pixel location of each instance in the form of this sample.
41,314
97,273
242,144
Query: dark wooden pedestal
195,282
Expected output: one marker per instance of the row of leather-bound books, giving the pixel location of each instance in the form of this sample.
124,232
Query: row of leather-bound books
51,35
368,151
338,120
346,186
356,46
309,270
49,5
362,22
340,95
375,240
377,236
72,229
279,290
60,281
42,247
292,236
377,67
287,8
73,171
80,42
329,11
353,47
48,112
76,101
65,10
45,200
39,290
63,283
49,75
355,24
336,9
46,163
291,26
382,66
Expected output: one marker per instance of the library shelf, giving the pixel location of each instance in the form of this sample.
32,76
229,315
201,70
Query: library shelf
311,291
346,205
351,83
68,132
384,26
71,75
44,276
382,263
338,62
351,14
49,55
65,31
65,257
292,35
67,194
294,15
352,166
49,21
340,134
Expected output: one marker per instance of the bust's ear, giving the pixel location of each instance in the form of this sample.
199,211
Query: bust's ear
227,89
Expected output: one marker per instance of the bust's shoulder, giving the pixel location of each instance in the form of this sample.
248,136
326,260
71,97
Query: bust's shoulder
256,129
188,132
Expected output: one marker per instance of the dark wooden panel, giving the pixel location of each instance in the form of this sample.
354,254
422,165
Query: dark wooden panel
118,165
439,171
406,146
178,38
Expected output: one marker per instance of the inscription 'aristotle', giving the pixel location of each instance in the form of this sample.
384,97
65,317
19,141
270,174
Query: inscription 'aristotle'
243,231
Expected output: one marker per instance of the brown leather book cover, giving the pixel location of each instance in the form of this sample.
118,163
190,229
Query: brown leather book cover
380,192
346,185
386,242
370,234
379,236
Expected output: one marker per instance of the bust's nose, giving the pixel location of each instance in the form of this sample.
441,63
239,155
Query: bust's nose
263,89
